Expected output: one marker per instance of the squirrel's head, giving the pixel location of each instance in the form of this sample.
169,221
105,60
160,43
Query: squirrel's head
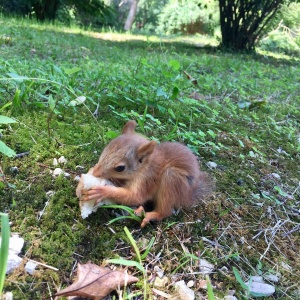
125,155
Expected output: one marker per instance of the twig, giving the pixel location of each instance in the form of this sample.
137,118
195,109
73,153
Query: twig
44,265
296,228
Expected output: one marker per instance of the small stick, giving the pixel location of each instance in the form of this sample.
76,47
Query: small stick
44,265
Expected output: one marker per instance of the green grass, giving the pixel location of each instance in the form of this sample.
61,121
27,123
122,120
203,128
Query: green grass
248,109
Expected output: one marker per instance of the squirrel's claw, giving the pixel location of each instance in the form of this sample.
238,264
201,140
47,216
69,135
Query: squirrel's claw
140,211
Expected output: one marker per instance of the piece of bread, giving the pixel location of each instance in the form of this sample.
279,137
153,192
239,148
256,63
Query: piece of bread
87,207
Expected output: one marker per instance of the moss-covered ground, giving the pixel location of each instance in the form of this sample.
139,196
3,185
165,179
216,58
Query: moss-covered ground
240,111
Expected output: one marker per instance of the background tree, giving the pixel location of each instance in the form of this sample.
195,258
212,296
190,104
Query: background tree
131,15
48,10
243,21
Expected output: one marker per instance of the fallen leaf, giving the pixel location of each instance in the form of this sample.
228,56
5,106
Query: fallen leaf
96,282
189,77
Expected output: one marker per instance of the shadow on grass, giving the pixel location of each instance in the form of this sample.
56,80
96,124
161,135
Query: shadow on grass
187,45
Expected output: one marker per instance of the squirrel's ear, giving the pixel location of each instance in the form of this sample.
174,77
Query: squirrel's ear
146,150
129,127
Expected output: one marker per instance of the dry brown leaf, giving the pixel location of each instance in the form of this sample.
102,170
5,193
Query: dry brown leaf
96,282
189,77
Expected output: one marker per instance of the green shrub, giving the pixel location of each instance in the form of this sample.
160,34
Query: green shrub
281,41
290,14
188,16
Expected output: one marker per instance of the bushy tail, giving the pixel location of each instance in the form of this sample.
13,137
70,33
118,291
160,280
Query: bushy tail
205,188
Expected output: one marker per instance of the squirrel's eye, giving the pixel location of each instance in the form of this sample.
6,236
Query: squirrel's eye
120,168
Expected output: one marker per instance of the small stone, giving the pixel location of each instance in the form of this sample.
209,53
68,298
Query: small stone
205,266
14,170
257,279
190,284
275,175
62,160
211,165
161,282
7,296
30,267
159,271
16,244
50,194
263,289
279,150
59,171
55,162
185,292
13,262
77,178
271,277
230,297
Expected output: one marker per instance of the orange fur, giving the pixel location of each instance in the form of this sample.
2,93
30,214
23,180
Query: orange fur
167,174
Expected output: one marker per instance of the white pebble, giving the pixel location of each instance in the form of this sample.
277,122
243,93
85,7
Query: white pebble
263,289
184,291
30,267
62,160
211,165
205,266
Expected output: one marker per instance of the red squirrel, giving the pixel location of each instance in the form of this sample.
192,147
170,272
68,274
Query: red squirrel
167,174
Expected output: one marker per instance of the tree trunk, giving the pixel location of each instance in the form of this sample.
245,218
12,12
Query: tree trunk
243,21
131,15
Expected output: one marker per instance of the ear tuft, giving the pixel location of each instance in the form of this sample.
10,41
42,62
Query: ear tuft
129,127
145,150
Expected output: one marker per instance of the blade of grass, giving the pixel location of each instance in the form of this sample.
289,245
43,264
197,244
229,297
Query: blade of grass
124,262
133,243
148,249
5,234
122,218
210,292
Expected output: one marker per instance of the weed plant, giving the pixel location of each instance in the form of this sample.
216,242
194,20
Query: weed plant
71,91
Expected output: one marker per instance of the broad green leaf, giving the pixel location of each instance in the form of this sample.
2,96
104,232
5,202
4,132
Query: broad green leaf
72,71
161,93
211,133
6,150
112,134
175,64
175,93
6,120
52,102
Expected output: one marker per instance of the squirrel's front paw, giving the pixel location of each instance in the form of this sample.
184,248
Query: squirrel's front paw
79,189
96,193
140,211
